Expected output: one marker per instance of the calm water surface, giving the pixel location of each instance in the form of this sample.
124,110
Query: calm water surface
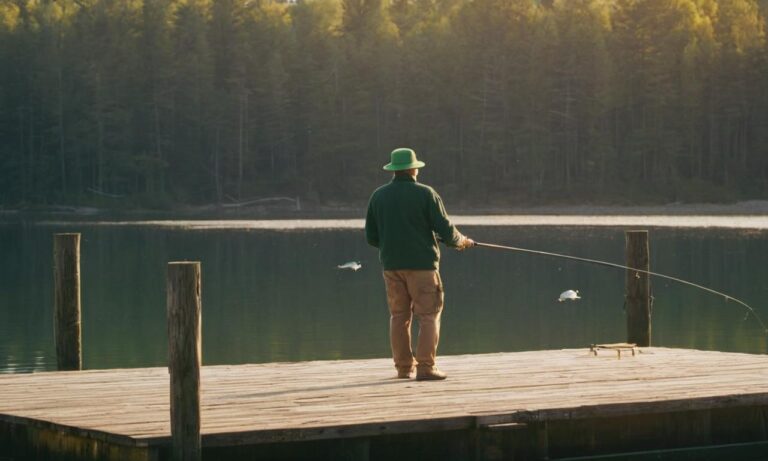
276,295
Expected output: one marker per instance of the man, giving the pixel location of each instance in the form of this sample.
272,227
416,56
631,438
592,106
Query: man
403,218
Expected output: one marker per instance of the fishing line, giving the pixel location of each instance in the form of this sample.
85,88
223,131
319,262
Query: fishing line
619,266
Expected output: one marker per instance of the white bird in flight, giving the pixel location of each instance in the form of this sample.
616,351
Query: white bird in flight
569,295
352,265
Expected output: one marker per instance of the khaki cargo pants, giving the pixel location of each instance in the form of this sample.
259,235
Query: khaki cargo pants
409,293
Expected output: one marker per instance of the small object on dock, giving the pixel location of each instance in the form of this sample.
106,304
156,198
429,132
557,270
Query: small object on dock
569,295
352,265
618,347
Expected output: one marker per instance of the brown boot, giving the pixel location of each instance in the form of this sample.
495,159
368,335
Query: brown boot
432,374
405,373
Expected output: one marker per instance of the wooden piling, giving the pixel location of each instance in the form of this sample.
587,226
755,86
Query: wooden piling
638,299
66,301
184,358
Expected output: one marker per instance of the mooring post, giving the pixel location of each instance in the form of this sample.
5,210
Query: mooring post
184,358
66,301
638,293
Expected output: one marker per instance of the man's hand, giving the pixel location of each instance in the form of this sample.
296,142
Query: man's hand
465,243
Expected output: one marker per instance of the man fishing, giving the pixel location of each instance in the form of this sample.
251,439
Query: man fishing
403,218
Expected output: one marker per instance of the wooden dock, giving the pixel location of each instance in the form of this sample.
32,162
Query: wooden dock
523,405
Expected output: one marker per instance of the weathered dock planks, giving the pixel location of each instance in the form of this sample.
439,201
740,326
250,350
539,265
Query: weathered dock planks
291,402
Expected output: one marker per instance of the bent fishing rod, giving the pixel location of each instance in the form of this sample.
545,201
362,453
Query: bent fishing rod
619,266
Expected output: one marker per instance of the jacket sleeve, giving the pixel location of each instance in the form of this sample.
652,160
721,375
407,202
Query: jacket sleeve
371,227
441,225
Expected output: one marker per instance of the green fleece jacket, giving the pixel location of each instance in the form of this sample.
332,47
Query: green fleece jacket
402,220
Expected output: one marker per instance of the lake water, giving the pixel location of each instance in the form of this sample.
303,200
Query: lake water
275,295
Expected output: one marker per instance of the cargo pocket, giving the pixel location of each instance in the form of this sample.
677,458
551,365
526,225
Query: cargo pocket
431,296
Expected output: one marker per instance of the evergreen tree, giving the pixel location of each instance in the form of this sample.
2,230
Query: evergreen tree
169,102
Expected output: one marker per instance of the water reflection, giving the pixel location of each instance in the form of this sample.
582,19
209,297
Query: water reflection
278,296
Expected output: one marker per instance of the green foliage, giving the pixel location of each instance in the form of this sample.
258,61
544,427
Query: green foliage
155,103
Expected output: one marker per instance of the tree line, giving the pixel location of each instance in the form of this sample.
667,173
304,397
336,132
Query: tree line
158,103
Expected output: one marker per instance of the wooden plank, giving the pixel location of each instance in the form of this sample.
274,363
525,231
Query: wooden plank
41,442
278,402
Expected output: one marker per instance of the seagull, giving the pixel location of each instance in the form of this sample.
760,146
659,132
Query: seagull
569,295
352,265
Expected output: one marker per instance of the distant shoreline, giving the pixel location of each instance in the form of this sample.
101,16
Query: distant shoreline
748,208
694,219
348,211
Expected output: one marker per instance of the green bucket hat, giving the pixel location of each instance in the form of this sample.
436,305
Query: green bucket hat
403,159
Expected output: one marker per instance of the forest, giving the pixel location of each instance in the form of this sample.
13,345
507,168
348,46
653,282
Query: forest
169,103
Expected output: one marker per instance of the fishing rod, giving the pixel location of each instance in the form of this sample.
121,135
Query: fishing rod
619,266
